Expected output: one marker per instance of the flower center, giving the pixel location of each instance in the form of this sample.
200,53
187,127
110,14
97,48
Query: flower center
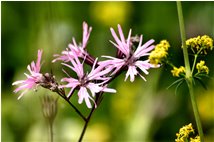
84,80
130,60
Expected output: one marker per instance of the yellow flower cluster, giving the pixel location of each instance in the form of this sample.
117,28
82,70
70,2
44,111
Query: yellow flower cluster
196,139
184,133
202,68
200,44
160,52
177,71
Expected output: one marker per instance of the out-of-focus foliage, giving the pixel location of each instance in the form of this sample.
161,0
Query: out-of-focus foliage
111,13
139,111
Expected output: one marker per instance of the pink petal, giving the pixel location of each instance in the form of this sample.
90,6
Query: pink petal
119,44
22,94
72,83
94,88
83,94
122,44
18,82
141,50
144,66
131,72
86,34
39,56
129,39
142,77
109,90
121,34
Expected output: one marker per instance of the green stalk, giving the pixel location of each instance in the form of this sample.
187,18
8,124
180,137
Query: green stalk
189,78
183,38
51,131
195,110
193,66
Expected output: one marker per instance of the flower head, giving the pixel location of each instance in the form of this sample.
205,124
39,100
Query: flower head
196,139
202,68
200,44
178,71
184,133
32,79
74,49
93,81
128,57
160,53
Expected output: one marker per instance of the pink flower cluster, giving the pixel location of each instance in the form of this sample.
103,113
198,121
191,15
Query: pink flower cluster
128,57
91,83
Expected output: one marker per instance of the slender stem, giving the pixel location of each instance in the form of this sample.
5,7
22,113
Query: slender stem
65,98
78,112
193,66
86,124
98,96
189,78
183,38
50,131
168,63
195,110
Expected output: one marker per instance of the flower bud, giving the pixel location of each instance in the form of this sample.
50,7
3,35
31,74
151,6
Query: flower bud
49,107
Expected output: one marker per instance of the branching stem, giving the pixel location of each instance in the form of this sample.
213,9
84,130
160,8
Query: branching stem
98,96
189,77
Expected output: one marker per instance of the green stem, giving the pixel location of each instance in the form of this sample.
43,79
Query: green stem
183,38
193,66
50,131
189,78
195,110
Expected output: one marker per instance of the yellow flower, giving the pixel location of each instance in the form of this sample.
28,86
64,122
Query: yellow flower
207,42
200,44
202,68
196,139
177,71
184,132
160,52
163,44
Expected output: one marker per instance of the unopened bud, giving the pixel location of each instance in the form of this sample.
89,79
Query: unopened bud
49,107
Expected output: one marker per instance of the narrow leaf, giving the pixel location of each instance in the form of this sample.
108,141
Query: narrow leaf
201,82
175,82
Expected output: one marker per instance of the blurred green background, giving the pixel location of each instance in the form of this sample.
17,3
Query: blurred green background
139,111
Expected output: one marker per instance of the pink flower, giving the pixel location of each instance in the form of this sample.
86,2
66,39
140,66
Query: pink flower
74,49
129,58
32,79
86,81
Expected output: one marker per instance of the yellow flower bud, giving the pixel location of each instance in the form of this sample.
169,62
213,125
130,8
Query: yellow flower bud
196,139
202,68
160,52
177,71
184,133
200,44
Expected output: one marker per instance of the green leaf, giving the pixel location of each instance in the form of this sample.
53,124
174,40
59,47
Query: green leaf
179,84
201,82
203,75
175,82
